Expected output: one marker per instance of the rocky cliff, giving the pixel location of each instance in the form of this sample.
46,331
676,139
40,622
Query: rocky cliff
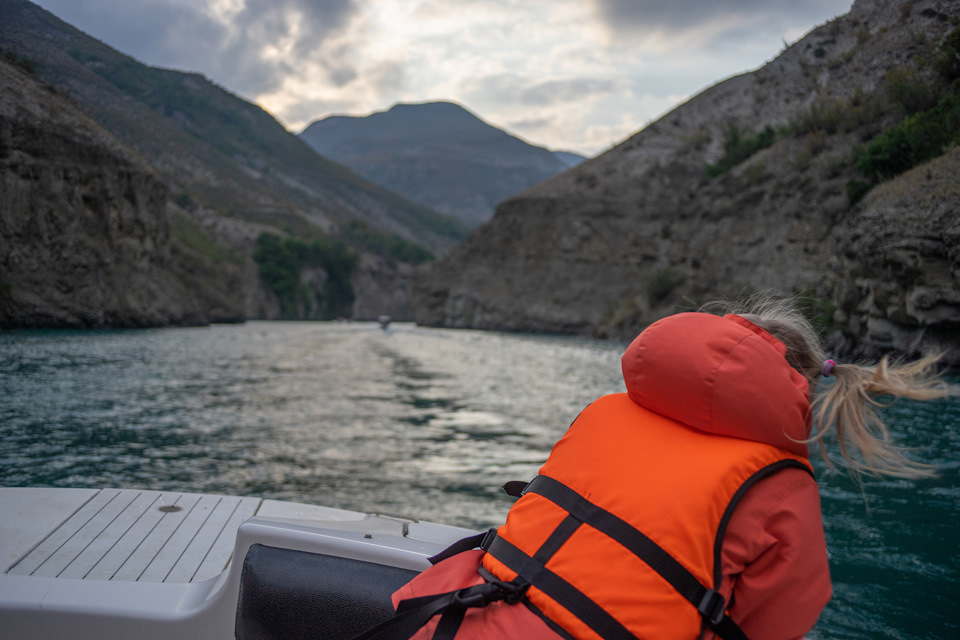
751,185
213,172
85,236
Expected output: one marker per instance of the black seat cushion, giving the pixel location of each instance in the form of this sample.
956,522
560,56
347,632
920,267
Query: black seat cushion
293,594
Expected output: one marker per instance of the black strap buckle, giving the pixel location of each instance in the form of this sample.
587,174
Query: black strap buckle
712,606
478,596
488,538
516,488
513,592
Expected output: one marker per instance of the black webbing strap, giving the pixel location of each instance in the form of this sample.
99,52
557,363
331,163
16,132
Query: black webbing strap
571,598
411,615
708,602
414,613
480,540
449,623
515,488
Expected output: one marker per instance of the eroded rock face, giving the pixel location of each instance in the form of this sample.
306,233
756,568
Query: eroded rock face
642,231
84,235
382,287
899,286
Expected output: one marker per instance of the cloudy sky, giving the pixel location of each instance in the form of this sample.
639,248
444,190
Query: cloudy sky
579,75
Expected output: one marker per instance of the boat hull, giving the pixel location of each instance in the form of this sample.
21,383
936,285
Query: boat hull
78,567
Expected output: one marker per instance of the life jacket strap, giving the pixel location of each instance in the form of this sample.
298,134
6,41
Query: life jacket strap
708,602
481,540
515,488
411,615
452,606
571,598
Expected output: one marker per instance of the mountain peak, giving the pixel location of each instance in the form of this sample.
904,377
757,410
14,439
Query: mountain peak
439,107
437,153
424,118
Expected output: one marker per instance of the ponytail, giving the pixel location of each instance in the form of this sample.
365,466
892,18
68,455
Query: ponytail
849,405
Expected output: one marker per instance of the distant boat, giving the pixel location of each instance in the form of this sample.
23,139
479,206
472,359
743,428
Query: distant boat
119,563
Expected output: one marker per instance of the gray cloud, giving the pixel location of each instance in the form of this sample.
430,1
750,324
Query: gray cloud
272,20
143,31
553,91
724,18
529,124
388,78
519,90
542,65
179,34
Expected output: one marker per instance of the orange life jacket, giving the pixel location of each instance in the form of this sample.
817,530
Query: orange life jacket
675,485
620,536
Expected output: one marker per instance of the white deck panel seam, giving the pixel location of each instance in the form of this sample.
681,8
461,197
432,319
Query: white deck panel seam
141,555
196,531
169,537
63,522
121,535
139,544
80,528
223,544
44,556
91,547
215,539
120,539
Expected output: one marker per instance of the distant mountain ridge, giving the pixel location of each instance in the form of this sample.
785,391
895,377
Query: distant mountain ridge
438,154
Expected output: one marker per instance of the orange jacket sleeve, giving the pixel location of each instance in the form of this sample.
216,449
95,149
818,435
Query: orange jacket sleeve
775,559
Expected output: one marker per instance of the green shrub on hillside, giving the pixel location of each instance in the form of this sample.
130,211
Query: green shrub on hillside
856,189
281,262
831,115
823,115
662,283
947,62
737,148
919,138
185,201
23,62
361,235
819,311
195,237
911,92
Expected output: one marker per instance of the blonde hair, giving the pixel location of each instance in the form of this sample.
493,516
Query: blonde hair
850,404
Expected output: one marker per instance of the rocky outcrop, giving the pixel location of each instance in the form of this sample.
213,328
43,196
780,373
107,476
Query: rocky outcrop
85,238
645,230
382,288
899,272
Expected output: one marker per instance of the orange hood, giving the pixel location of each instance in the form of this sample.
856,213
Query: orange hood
723,375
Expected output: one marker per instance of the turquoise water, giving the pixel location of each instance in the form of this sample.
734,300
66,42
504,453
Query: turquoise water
420,422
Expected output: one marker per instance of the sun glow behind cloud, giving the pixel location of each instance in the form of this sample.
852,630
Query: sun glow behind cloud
580,75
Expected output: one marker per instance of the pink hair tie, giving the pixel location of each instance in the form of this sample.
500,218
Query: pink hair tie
828,368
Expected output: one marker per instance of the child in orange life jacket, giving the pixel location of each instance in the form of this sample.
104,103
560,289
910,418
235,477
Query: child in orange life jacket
684,508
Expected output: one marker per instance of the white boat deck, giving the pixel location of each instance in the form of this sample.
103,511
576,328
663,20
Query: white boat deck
91,564
130,535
